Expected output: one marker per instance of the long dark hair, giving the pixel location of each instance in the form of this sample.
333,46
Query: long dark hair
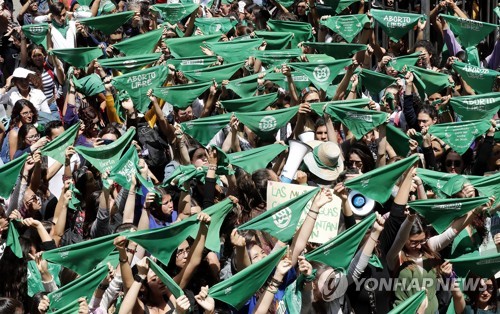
16,112
364,154
492,302
10,306
433,256
23,132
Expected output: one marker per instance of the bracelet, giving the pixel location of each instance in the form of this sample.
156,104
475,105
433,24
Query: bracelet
102,287
131,251
352,91
376,241
273,291
123,260
212,167
275,281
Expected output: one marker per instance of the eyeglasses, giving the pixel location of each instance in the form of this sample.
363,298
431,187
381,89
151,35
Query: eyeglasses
417,243
33,137
453,163
181,253
489,288
357,163
27,113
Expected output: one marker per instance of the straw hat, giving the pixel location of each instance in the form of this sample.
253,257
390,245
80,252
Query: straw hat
329,155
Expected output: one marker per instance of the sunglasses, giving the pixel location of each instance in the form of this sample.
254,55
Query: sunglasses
453,163
416,243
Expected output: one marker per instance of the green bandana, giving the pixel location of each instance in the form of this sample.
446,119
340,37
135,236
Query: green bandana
108,23
174,12
89,85
410,305
10,172
217,73
105,7
37,33
454,185
257,158
347,26
129,64
286,3
318,161
235,51
61,28
77,57
489,185
301,81
204,129
434,81
359,103
65,300
182,96
57,147
266,123
441,212
377,184
246,86
476,107
125,169
321,74
396,24
281,221
302,31
217,213
339,5
154,241
398,140
375,262
497,11
140,44
238,289
138,83
210,26
460,135
183,174
35,278
12,241
399,63
250,104
375,82
484,266
74,203
473,56
275,58
436,180
105,157
469,32
358,121
339,251
192,63
480,79
337,50
276,40
172,286
189,46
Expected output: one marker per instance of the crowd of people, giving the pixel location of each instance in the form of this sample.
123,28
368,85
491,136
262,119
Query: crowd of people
147,147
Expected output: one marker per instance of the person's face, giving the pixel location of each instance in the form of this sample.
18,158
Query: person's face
321,134
61,17
109,136
34,6
32,137
56,132
437,149
301,8
32,201
26,115
225,9
167,204
185,115
155,283
487,293
434,97
256,254
453,163
38,57
355,162
425,121
273,176
182,254
425,58
415,242
391,71
312,97
200,158
22,84
115,38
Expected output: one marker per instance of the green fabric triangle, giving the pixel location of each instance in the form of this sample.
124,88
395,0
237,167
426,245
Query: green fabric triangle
266,123
375,82
174,12
482,80
217,213
109,23
181,96
77,57
460,135
219,25
410,305
286,3
398,139
399,63
488,186
436,180
434,81
189,46
275,58
129,64
12,241
256,158
204,129
302,31
172,286
89,85
476,107
358,121
276,40
10,172
244,87
321,74
396,24
235,51
337,50
74,203
184,174
484,266
192,63
250,104
473,56
37,33
35,284
140,44
125,169
319,107
469,32
217,73
339,5
347,26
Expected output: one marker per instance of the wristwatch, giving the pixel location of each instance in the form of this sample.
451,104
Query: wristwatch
139,279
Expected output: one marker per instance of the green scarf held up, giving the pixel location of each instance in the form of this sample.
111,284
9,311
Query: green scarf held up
321,74
12,241
480,79
321,107
285,3
302,31
434,81
410,305
276,40
476,107
358,121
37,33
182,96
189,46
192,63
217,73
138,83
484,266
250,104
460,135
210,26
89,85
441,212
395,24
489,185
140,44
184,174
378,183
77,57
398,63
337,50
473,56
130,64
35,284
436,180
125,169
398,139
497,11
339,5
172,286
256,158
74,203
9,173
204,129
266,123
244,87
105,157
281,221
469,32
235,51
375,82
347,26
275,58
108,23
174,12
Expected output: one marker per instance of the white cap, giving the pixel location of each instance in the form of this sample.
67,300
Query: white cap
22,73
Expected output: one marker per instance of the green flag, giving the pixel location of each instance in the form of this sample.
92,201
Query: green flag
192,63
183,174
77,57
129,64
108,23
484,266
66,298
480,79
460,135
125,169
105,157
473,56
434,81
340,5
74,203
410,305
13,239
268,122
375,82
10,172
320,107
236,290
358,121
395,24
89,85
172,286
339,251
140,44
174,12
377,184
37,33
162,242
476,107
347,26
275,58
35,284
468,32
321,74
281,221
189,46
244,87
488,186
257,158
276,40
235,51
204,129
218,213
398,63
250,104
398,140
182,96
441,212
218,25
138,83
217,73
436,180
302,31
337,50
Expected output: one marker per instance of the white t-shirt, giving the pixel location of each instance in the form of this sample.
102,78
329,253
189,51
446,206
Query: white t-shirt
36,97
